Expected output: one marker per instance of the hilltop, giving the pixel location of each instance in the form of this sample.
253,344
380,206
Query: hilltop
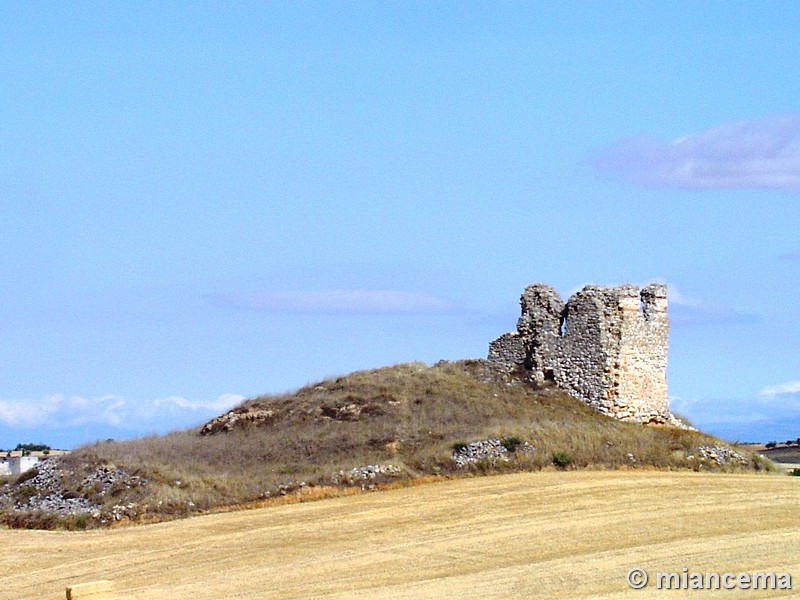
383,427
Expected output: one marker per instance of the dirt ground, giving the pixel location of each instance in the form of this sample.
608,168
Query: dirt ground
572,534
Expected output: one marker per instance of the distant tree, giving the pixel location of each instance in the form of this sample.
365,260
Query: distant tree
28,448
770,444
797,441
789,442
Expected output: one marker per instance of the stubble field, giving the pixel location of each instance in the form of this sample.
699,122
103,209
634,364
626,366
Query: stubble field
532,535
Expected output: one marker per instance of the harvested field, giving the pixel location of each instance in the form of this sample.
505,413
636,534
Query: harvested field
572,534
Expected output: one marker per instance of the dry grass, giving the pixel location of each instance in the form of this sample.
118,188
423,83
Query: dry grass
408,415
531,535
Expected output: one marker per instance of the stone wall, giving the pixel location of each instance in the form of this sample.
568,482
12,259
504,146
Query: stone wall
605,346
507,350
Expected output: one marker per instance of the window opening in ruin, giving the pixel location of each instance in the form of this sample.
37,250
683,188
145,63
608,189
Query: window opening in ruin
562,327
549,376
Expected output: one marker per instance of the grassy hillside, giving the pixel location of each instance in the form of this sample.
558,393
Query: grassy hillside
404,422
529,535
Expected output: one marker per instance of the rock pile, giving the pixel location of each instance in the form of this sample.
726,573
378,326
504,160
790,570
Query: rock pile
58,505
108,477
721,455
491,450
349,411
119,512
46,491
43,492
366,473
255,414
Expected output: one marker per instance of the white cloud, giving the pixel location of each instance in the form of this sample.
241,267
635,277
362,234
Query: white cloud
57,411
62,411
784,389
763,153
106,410
28,413
338,302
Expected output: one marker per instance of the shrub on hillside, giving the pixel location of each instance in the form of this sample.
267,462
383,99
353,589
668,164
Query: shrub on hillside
511,442
562,459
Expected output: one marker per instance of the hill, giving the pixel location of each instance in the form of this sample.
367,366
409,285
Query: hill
785,457
384,427
528,535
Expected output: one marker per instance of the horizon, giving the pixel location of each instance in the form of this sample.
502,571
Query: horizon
204,204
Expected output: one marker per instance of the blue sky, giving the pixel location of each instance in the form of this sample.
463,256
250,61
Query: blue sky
203,202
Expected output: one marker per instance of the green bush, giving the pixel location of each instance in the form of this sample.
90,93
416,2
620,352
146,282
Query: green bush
562,459
511,442
459,446
795,472
770,444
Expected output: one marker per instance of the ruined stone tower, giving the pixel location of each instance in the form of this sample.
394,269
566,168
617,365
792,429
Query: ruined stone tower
605,346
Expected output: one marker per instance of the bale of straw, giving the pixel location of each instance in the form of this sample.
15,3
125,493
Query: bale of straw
94,590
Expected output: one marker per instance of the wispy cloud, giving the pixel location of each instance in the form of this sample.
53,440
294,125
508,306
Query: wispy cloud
790,388
684,310
58,411
26,413
764,153
338,302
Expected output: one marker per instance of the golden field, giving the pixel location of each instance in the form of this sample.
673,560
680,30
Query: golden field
552,534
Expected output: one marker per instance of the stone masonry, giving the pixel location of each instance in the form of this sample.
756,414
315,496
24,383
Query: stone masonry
605,346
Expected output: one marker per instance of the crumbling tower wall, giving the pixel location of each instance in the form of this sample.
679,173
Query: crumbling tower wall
605,346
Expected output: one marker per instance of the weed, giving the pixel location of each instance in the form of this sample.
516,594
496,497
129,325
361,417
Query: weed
511,442
562,459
